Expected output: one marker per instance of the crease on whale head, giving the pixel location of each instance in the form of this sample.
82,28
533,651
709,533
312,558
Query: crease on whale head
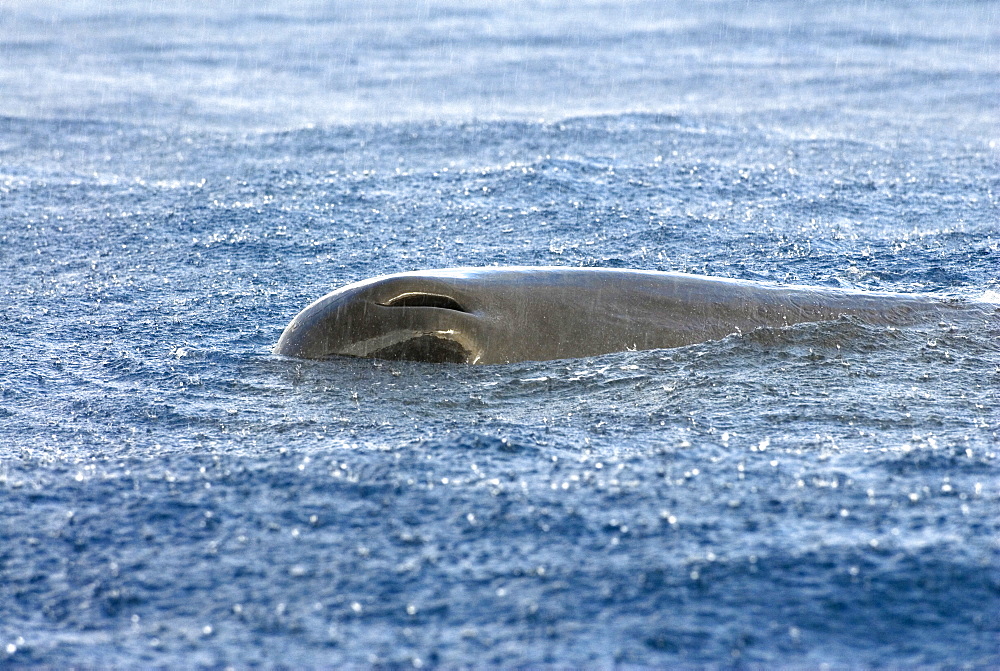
420,299
388,318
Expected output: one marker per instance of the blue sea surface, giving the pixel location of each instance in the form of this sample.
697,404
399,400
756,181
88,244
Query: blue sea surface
179,179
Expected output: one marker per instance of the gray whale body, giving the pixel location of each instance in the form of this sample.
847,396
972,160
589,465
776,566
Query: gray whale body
503,315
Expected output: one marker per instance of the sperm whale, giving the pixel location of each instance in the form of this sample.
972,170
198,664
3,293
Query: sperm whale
506,314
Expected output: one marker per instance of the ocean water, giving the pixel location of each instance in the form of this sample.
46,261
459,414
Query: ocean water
178,179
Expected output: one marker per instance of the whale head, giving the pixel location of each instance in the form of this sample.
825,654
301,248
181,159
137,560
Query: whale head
486,316
408,316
